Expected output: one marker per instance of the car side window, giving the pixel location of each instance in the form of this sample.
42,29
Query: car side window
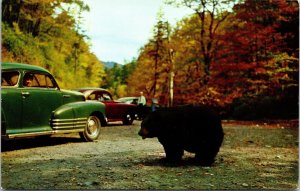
92,97
106,96
30,80
38,80
10,78
50,82
99,97
44,81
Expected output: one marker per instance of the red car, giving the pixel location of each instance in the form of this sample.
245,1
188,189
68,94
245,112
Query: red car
115,110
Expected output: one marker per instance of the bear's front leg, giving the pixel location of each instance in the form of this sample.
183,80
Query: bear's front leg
173,153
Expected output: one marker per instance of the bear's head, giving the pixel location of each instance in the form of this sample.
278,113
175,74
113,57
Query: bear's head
150,125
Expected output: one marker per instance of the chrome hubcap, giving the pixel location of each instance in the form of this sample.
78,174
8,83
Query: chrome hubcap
92,126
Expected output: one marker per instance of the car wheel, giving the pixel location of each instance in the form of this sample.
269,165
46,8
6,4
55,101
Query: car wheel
92,129
128,119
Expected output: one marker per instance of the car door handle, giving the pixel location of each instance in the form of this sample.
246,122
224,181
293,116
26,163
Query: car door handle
25,94
66,96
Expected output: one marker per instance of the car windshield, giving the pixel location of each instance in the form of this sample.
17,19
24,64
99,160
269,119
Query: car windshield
10,78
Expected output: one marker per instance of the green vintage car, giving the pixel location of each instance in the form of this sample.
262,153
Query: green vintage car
34,105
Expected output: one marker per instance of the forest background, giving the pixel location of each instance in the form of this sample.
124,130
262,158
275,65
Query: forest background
240,57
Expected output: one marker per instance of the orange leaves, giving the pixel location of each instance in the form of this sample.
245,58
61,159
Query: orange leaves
233,66
249,53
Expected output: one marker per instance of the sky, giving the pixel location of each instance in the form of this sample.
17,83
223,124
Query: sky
119,28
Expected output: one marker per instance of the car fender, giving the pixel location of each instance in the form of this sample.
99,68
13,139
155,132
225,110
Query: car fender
75,115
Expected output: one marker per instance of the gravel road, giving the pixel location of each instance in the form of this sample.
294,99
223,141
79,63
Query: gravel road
253,156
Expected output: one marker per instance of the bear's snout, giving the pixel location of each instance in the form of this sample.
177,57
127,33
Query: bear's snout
143,133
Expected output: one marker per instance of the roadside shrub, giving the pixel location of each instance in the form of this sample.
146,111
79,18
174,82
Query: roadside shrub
280,106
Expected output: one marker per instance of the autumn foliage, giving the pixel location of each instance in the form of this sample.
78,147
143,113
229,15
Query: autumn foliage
230,60
241,57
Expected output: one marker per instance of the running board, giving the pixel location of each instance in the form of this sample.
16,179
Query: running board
21,135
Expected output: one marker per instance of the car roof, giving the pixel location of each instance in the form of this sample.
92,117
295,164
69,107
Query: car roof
8,66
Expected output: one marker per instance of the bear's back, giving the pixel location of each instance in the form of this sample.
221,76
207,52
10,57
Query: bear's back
189,116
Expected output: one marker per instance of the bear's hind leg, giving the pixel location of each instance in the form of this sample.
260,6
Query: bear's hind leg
204,161
206,158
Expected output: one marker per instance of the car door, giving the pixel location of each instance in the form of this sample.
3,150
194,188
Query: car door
11,102
112,108
39,99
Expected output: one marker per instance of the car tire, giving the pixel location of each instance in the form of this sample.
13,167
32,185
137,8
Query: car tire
92,129
128,119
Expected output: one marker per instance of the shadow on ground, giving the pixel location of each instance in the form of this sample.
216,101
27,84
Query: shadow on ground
43,141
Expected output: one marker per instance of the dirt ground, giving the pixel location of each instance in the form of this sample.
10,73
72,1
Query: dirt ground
254,155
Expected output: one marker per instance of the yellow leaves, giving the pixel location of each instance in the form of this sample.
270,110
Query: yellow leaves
122,90
212,91
16,28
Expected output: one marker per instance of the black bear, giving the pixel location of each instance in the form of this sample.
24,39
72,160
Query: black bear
196,129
